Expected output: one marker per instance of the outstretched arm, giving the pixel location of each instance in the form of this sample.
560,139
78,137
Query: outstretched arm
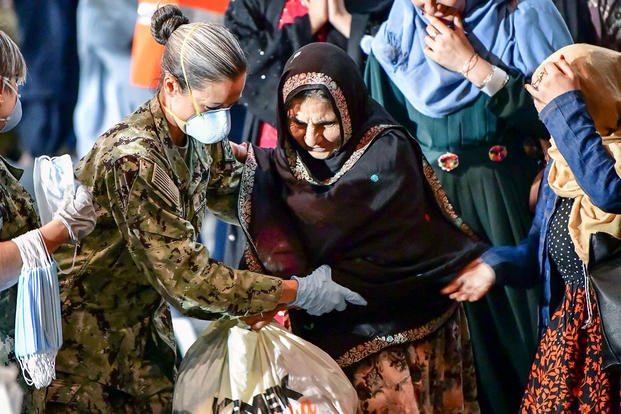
74,220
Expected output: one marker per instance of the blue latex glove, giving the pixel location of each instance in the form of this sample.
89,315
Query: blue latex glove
318,294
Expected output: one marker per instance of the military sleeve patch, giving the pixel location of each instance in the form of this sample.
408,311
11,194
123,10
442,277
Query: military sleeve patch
229,156
165,185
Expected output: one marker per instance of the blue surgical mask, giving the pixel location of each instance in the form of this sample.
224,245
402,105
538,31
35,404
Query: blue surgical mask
16,114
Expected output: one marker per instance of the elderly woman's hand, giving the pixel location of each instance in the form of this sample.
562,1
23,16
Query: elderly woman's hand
257,322
448,47
551,81
472,283
240,151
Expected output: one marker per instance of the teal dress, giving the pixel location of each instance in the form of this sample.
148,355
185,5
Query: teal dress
492,197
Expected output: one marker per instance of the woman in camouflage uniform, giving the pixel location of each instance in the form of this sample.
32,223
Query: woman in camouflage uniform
76,217
152,179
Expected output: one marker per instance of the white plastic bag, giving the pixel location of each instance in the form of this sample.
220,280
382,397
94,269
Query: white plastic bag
53,181
230,369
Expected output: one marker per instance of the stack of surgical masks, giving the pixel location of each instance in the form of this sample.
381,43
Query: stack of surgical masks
38,324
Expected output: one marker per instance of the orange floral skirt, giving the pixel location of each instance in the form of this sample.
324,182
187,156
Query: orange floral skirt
567,375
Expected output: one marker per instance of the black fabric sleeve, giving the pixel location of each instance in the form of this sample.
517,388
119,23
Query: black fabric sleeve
365,23
514,105
359,24
255,23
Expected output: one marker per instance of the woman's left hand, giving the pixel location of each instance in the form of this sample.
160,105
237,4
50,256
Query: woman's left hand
448,47
553,80
472,283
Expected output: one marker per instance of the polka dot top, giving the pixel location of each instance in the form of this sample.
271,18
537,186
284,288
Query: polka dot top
561,248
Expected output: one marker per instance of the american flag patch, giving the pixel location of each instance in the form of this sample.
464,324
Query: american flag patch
165,185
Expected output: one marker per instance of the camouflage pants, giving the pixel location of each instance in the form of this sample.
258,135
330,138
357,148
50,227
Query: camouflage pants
69,397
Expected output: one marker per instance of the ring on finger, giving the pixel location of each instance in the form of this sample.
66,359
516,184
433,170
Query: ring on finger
537,81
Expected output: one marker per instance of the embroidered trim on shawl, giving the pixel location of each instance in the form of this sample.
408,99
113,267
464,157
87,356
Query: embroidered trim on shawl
245,208
316,78
443,202
301,173
375,345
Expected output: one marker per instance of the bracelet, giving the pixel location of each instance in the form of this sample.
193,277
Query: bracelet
496,81
469,64
487,78
464,67
474,64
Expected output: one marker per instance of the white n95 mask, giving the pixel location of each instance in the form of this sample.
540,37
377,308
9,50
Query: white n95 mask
209,127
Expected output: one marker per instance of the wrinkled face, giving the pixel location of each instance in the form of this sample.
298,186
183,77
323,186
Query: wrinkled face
442,9
314,125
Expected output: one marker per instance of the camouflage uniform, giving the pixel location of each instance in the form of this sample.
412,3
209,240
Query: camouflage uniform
119,351
17,216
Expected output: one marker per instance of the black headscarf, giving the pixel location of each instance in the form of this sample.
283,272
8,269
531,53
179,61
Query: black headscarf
379,218
308,69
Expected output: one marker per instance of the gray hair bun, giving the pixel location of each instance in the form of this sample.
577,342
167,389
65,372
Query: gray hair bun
164,22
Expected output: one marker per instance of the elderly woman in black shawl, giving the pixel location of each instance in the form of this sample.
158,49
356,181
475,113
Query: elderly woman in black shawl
348,187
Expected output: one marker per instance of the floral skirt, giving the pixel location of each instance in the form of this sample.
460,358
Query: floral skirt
433,375
567,375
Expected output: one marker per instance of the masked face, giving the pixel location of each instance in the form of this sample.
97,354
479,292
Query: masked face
10,99
209,127
203,114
